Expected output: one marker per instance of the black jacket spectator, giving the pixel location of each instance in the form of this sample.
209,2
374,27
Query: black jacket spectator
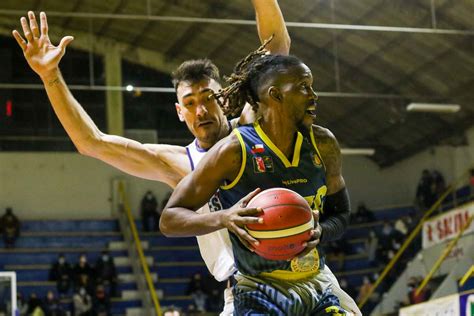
100,302
106,272
83,275
425,192
52,306
149,212
363,215
61,273
10,228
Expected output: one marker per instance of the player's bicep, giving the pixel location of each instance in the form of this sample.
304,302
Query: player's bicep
220,164
332,158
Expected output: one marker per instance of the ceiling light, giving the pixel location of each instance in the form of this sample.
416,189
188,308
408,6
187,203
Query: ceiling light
433,107
358,151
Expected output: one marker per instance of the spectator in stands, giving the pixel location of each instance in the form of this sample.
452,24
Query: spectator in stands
21,305
82,303
61,273
196,290
401,226
438,183
195,283
363,291
10,227
337,251
364,288
100,302
215,303
171,311
191,310
371,248
106,272
363,215
83,274
149,212
52,306
425,193
34,305
385,238
213,290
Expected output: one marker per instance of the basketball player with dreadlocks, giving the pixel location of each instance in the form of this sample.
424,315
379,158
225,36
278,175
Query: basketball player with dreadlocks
194,81
279,88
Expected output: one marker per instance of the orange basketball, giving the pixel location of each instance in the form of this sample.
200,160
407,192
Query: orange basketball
287,223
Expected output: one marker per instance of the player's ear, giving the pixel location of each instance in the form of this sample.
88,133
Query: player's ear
178,111
275,94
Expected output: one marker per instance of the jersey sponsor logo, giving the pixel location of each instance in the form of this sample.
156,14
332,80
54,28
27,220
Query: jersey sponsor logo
294,181
257,149
308,263
262,164
315,159
215,204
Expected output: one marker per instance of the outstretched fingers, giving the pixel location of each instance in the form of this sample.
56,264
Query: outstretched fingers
65,42
33,24
19,40
43,24
26,29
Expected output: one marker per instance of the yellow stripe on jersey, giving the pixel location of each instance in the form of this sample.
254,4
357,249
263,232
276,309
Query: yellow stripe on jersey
242,166
259,234
277,151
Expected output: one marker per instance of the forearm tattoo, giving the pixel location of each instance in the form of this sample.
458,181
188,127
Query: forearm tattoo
54,81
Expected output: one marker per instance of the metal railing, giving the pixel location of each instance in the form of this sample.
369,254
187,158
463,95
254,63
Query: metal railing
467,276
139,249
451,188
444,255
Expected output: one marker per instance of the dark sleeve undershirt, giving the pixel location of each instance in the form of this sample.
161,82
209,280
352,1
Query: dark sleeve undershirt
335,216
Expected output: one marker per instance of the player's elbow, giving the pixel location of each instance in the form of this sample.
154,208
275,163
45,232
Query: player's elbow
92,146
83,150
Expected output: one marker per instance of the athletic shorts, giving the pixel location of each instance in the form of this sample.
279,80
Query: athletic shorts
268,296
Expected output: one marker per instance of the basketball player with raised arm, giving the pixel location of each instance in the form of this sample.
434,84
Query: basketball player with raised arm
194,81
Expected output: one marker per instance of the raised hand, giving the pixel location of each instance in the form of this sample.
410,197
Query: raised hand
42,56
239,215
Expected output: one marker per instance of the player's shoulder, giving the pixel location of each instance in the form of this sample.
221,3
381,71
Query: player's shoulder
322,133
325,140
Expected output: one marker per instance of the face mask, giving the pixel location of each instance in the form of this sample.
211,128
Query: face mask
105,258
82,292
61,260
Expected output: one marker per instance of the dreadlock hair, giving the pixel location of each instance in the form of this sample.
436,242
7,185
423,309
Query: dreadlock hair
248,74
195,70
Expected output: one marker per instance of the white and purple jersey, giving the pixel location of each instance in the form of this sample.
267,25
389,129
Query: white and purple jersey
215,247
